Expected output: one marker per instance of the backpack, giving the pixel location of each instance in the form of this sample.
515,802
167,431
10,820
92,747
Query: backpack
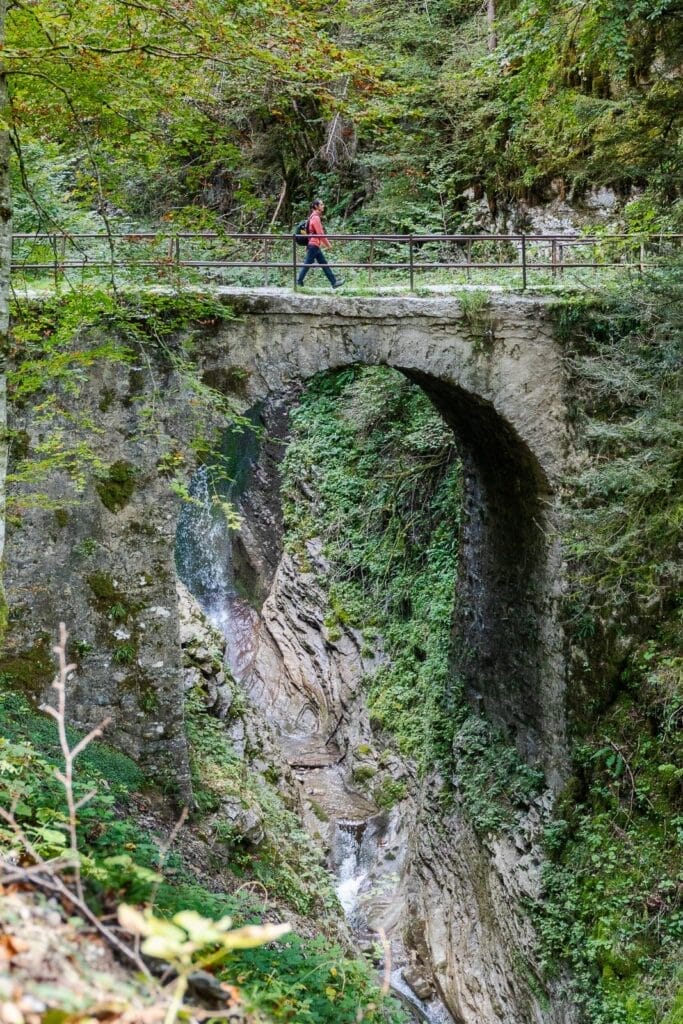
301,232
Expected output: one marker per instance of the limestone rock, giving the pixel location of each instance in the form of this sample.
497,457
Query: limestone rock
246,821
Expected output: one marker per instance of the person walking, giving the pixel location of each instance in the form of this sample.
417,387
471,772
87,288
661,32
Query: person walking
317,240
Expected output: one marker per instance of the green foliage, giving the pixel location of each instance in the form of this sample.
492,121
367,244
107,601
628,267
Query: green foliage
108,87
389,792
297,981
613,899
386,480
492,783
190,942
314,984
625,354
116,486
612,905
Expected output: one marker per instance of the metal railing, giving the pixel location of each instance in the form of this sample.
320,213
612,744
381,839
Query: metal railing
244,257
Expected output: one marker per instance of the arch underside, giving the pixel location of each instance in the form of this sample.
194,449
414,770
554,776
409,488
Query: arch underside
506,643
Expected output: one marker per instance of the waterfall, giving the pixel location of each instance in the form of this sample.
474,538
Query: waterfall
204,549
347,861
204,544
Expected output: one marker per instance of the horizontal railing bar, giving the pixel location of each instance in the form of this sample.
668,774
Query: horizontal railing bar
377,267
420,239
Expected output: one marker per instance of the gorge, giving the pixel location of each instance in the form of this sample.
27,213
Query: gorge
257,637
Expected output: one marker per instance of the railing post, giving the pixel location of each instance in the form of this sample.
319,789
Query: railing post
294,263
372,259
266,253
411,263
553,256
469,260
523,262
560,259
642,258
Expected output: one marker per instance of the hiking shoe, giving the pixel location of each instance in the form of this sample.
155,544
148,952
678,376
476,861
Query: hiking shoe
338,283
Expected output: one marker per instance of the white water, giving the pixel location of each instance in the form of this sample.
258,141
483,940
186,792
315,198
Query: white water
354,850
204,562
348,868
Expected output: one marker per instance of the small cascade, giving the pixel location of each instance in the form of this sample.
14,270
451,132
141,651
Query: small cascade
204,550
346,859
354,854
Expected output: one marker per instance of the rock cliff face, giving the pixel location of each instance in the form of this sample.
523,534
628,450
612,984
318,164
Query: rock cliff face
102,560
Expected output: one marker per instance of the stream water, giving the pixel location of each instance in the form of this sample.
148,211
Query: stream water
355,855
204,544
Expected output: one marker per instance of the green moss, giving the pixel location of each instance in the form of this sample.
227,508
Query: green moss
86,547
103,587
20,444
116,487
363,773
320,812
389,792
148,701
106,400
31,670
62,517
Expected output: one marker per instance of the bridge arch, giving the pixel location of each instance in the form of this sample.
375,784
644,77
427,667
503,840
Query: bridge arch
495,375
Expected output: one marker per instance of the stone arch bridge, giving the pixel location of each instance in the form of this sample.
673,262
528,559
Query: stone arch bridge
494,371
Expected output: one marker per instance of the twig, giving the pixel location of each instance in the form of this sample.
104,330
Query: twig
164,850
386,981
69,754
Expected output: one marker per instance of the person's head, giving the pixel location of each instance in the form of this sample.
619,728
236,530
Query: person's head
318,205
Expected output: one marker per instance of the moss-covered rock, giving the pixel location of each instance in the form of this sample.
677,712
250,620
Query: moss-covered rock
116,487
30,670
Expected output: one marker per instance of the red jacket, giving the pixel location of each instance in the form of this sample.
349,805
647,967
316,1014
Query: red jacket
316,231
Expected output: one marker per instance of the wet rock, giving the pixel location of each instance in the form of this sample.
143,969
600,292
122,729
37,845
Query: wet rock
419,982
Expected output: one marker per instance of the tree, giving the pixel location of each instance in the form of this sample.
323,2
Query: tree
181,90
491,22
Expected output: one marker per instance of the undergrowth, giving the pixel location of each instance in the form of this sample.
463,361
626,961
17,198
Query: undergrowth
613,909
300,981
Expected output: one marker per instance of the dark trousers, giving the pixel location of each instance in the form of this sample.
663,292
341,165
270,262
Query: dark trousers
315,254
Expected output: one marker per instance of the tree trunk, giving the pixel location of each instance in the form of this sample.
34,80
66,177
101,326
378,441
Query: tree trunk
491,22
5,260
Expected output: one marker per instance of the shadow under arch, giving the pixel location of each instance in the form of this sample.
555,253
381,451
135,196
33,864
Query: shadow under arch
507,638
